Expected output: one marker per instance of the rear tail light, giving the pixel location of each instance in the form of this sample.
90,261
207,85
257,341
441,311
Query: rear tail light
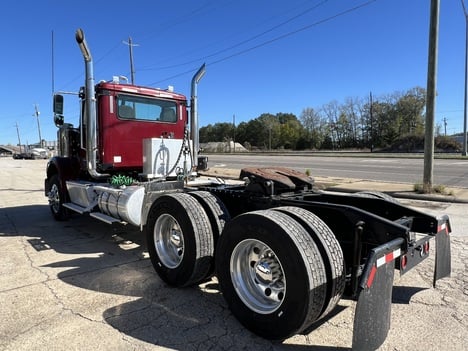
426,248
403,262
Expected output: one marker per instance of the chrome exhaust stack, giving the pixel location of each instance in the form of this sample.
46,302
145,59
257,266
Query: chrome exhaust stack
90,112
194,133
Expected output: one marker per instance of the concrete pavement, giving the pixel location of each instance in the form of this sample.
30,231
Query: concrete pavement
83,285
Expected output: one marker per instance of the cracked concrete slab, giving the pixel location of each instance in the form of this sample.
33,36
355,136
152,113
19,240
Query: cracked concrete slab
81,285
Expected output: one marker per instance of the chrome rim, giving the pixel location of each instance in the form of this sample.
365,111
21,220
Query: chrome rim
257,276
168,241
54,198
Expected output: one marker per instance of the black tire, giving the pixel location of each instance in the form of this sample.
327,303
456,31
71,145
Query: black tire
180,239
215,209
217,213
330,251
271,273
57,197
378,195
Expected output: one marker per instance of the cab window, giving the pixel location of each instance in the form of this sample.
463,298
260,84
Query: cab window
146,109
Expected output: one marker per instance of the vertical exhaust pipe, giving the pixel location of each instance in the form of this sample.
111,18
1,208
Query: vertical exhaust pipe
90,112
194,134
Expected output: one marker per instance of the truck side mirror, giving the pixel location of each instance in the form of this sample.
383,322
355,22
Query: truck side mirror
58,110
58,120
58,104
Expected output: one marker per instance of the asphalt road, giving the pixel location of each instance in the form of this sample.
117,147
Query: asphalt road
81,285
404,170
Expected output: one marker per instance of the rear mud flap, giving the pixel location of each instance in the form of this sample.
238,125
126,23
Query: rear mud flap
373,311
443,265
374,298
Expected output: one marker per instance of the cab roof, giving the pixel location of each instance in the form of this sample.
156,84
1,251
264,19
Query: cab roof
136,89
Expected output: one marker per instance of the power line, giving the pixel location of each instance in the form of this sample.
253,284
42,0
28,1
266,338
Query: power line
242,42
172,22
296,31
117,45
288,34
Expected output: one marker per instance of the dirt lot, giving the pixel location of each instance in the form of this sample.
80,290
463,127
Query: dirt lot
81,285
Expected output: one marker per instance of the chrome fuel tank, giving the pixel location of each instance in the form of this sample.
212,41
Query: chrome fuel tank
124,204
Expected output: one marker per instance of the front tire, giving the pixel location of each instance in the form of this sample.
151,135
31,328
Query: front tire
271,273
180,239
56,198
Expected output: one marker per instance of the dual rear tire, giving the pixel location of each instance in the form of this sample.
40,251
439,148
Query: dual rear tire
277,273
279,270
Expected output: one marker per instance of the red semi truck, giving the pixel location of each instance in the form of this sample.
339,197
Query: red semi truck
284,253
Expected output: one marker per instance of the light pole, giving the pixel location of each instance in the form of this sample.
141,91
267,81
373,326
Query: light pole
17,132
36,114
431,96
132,69
464,152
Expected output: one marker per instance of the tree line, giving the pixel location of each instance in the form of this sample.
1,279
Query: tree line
359,123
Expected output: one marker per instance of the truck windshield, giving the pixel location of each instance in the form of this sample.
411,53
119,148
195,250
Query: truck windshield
147,109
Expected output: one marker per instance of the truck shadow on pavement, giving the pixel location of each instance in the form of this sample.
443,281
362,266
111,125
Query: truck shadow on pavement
106,260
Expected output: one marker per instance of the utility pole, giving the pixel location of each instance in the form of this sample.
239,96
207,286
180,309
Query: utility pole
371,121
234,131
431,96
19,140
445,126
36,114
132,69
464,152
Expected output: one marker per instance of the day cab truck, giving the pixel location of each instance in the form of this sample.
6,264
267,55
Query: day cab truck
283,252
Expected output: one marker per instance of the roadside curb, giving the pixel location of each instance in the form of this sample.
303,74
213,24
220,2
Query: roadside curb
352,185
403,194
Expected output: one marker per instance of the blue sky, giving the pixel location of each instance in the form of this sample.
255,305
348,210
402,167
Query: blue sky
262,56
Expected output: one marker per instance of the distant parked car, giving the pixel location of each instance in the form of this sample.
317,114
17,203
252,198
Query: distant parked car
22,156
39,153
33,154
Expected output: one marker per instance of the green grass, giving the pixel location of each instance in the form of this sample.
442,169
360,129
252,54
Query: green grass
436,189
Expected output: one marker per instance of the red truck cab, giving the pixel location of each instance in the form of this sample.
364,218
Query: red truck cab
128,114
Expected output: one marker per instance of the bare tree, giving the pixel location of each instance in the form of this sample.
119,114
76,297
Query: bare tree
314,124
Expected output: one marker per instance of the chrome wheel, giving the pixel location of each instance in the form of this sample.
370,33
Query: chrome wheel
179,239
54,199
257,276
271,273
168,241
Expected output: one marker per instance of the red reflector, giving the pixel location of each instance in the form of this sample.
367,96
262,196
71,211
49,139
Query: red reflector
403,262
371,276
426,247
